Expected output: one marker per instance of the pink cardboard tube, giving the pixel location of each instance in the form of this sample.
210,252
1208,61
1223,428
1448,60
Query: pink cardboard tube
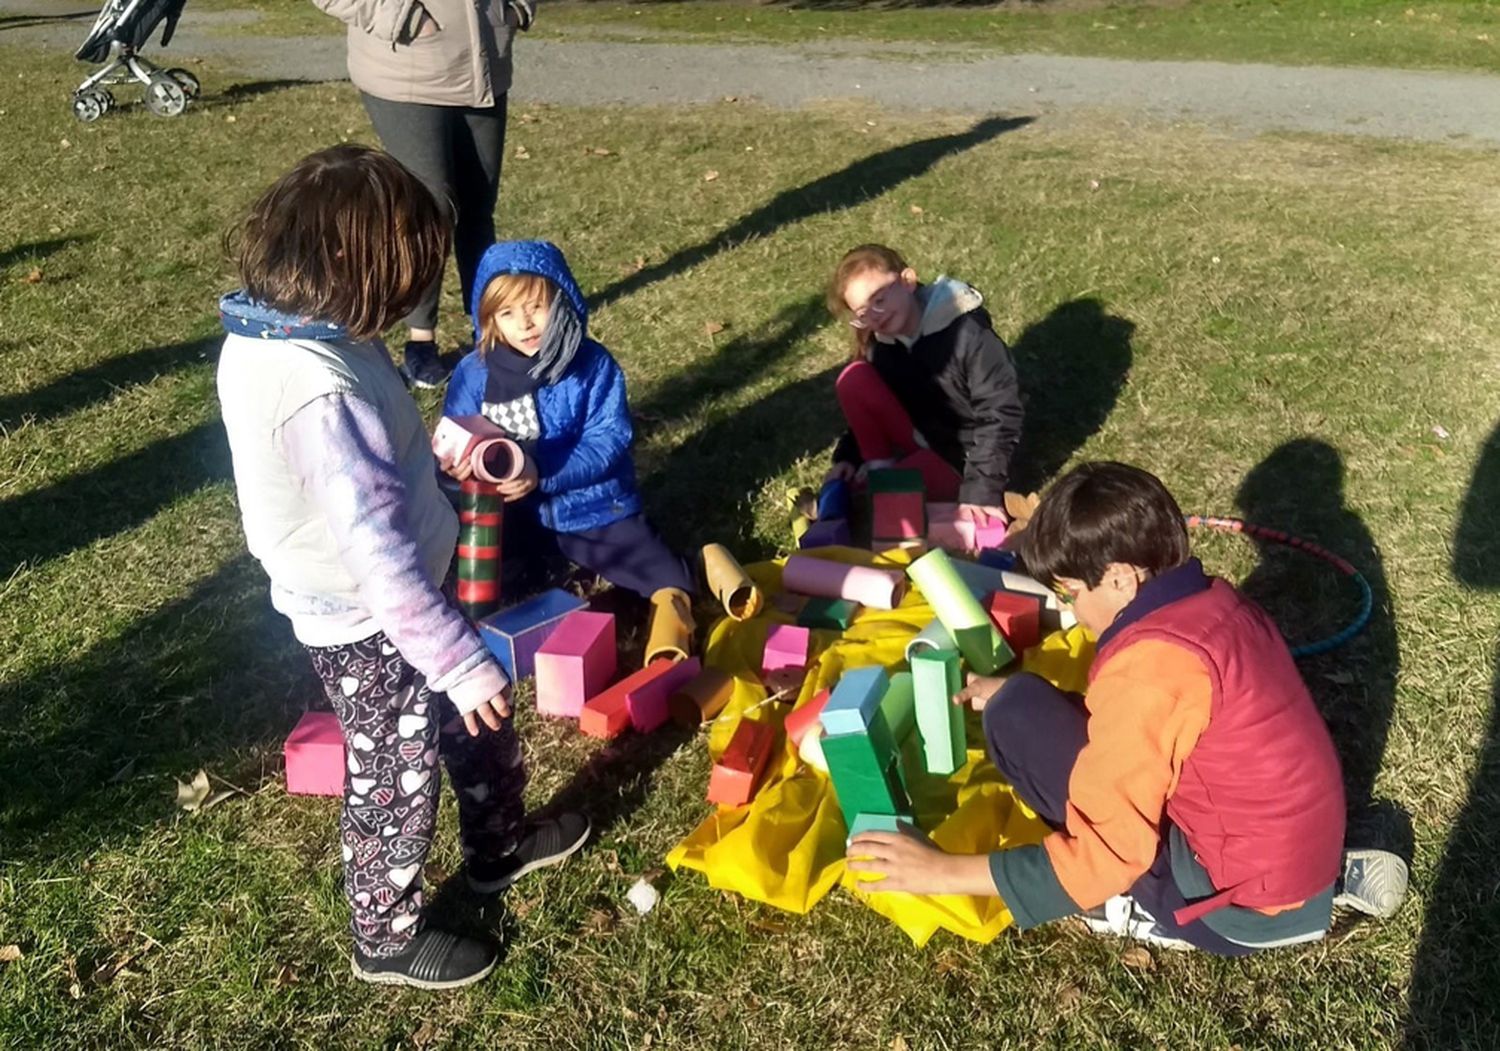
875,588
498,460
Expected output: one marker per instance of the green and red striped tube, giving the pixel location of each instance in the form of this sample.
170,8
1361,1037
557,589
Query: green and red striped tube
480,513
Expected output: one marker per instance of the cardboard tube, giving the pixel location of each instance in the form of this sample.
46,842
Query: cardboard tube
983,647
497,460
702,699
671,632
932,637
876,588
727,580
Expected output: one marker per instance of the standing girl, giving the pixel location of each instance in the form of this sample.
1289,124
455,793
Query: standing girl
340,504
931,386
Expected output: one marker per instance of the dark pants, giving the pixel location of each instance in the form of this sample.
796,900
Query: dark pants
628,553
456,151
1033,733
395,729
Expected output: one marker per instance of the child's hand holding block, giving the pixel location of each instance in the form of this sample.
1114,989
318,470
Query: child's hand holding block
736,775
315,756
1019,618
575,663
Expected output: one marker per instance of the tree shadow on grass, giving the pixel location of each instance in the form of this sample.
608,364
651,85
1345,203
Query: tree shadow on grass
91,385
33,252
1072,365
240,92
73,512
26,21
1299,488
865,179
1454,997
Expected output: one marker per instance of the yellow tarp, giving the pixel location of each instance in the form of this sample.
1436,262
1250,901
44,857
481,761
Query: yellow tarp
786,848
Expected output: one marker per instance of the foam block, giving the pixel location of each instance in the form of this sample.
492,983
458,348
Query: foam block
833,500
998,558
834,614
865,779
800,721
315,756
786,647
575,663
826,532
855,699
515,634
941,582
696,702
879,823
932,637
945,529
898,707
937,677
898,508
638,700
1019,618
737,773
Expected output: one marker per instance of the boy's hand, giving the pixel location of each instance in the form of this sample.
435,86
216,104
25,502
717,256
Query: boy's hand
459,471
909,862
522,484
491,712
978,690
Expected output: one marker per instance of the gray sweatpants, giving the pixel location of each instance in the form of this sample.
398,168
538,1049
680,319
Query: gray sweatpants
456,151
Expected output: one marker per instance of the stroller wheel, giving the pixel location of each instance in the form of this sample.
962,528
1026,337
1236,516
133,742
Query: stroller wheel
89,106
190,85
164,96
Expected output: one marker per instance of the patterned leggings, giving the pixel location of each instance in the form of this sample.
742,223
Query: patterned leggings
394,730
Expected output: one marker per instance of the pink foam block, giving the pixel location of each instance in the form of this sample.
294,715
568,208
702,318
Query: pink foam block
897,516
575,663
945,530
647,703
315,756
638,700
786,647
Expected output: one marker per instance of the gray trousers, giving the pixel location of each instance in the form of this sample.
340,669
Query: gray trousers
456,151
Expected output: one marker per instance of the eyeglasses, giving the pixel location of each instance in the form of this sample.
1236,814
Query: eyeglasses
874,308
1067,596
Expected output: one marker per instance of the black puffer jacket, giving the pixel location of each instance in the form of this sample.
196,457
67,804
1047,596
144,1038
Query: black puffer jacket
958,383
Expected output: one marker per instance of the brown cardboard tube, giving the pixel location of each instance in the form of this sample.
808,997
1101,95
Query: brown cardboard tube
671,631
702,699
727,580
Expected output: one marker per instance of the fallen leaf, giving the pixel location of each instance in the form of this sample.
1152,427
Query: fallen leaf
601,151
710,175
286,976
1093,184
426,1034
1137,958
1437,429
713,328
916,209
775,927
523,153
191,795
65,144
10,953
599,921
731,98
898,1043
33,276
230,119
527,118
1068,997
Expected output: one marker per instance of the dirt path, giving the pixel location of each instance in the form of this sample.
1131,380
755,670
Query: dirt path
1430,107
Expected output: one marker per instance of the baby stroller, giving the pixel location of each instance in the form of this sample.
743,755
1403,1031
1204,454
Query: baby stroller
122,27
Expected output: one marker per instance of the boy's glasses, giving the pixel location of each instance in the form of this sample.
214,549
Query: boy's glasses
1067,596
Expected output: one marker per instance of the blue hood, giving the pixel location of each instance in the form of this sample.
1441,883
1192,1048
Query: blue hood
242,316
542,258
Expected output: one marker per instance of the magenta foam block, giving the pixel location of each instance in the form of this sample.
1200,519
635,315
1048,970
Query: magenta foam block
315,756
576,662
876,588
514,635
786,647
946,530
647,703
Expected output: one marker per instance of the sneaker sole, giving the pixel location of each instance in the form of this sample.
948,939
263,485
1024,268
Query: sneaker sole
412,381
396,978
1383,887
495,886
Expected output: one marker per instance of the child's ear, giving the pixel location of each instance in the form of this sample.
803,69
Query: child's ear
909,277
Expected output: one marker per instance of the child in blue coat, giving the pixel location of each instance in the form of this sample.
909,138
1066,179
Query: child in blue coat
535,373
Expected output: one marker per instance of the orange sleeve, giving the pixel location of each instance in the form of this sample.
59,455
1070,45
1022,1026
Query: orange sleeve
1147,708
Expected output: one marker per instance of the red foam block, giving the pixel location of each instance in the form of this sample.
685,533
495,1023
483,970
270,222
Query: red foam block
1019,618
898,516
736,774
639,699
315,756
803,719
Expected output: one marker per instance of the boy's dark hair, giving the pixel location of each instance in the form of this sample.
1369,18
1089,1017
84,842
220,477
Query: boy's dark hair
1100,513
349,236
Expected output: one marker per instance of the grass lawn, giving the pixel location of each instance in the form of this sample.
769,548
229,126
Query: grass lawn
1423,34
1297,329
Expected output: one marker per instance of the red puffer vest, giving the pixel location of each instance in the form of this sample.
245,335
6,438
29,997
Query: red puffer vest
1261,797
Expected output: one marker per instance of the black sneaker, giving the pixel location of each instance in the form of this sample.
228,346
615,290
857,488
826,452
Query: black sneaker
545,843
435,960
421,366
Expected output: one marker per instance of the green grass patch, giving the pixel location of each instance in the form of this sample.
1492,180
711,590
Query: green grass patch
1276,325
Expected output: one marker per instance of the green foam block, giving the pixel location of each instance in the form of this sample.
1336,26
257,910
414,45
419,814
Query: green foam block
940,723
832,613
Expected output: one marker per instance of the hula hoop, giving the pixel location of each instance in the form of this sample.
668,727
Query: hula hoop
1277,536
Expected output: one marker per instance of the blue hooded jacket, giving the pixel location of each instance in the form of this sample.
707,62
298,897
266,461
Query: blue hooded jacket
587,476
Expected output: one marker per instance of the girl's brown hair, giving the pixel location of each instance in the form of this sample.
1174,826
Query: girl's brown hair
857,261
507,290
349,236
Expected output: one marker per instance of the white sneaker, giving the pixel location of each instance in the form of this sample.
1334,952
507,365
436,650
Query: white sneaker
1124,918
1373,882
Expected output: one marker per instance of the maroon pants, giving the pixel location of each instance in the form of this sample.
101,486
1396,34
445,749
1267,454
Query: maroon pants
883,430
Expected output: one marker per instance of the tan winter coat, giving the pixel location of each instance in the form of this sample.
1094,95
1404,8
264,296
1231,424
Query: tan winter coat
465,62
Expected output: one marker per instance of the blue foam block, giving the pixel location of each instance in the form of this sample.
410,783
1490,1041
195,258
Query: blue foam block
997,558
515,634
854,701
825,532
982,581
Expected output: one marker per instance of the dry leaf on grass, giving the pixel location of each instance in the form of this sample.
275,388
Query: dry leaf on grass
710,175
1068,997
522,153
898,1043
10,953
1138,958
713,328
198,794
916,209
600,151
33,277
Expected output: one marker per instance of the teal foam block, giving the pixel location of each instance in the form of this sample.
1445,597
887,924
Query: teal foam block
851,707
880,823
835,614
937,677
